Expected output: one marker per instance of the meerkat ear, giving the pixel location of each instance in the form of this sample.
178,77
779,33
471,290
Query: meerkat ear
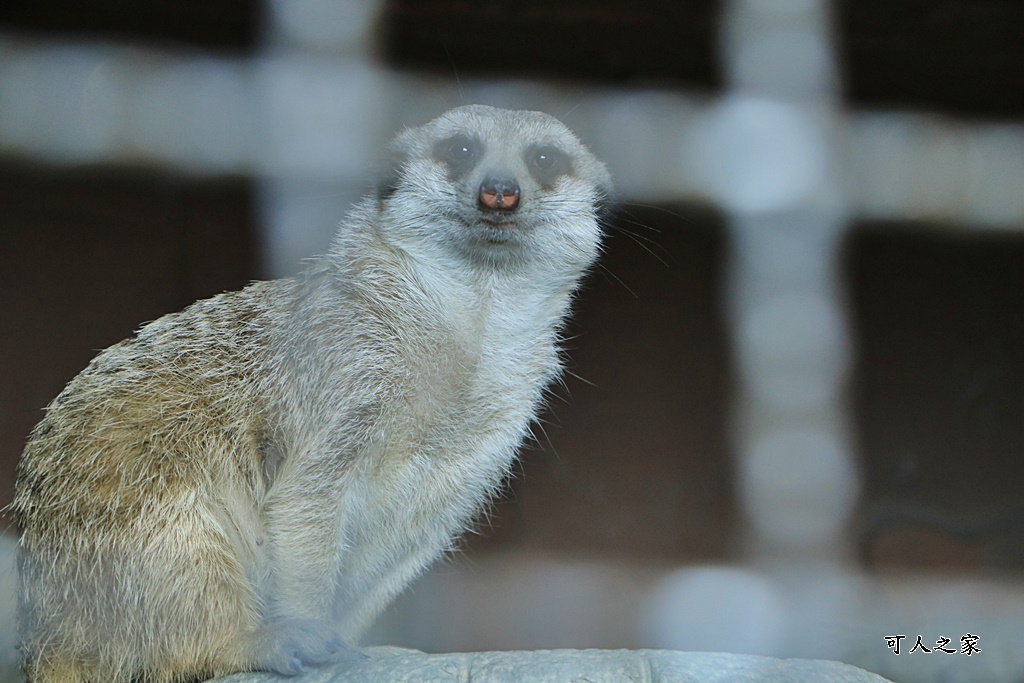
395,158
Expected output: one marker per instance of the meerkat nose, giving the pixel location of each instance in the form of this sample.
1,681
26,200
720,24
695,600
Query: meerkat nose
499,194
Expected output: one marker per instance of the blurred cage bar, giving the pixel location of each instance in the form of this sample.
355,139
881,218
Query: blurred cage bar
793,424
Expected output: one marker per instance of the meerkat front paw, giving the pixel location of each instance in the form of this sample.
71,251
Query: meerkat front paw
289,646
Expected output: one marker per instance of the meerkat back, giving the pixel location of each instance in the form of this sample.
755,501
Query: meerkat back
245,484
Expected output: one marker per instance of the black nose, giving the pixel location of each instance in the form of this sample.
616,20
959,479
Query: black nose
499,194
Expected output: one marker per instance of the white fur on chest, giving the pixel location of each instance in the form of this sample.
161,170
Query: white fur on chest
440,455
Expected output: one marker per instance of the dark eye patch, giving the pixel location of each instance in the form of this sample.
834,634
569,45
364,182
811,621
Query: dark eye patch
547,163
459,152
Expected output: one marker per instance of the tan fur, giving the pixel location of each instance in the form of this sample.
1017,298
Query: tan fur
245,483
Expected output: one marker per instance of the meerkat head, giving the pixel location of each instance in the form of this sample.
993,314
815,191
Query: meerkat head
496,187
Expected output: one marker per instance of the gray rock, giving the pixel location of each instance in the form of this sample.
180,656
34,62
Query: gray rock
391,665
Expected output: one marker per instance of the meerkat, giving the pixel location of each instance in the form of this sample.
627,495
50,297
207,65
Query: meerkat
245,484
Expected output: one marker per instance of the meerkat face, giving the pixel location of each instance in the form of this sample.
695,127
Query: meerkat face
497,187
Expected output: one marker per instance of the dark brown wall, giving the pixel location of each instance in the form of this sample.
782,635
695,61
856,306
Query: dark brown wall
938,393
220,25
960,57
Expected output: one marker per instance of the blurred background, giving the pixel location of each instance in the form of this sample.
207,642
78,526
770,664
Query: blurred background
793,424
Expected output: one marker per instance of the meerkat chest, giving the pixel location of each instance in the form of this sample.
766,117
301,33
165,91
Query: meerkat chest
437,458
459,405
446,452
414,494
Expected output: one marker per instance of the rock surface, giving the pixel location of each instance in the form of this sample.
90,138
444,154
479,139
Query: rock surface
391,665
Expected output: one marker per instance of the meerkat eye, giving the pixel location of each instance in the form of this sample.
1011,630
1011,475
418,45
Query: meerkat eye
546,157
459,152
547,162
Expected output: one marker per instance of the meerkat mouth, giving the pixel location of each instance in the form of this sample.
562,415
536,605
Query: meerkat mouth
501,225
494,231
